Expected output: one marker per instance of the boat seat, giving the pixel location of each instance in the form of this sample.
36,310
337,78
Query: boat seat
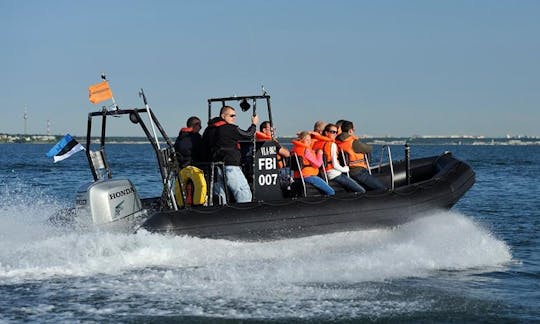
322,173
299,187
211,172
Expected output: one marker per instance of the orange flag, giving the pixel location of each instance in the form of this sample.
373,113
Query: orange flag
99,92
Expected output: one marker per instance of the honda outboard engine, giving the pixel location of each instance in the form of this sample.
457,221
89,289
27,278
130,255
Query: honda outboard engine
112,203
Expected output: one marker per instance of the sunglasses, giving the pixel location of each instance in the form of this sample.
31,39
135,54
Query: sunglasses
232,116
332,131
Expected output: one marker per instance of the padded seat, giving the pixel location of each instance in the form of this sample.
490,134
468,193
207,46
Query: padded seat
299,187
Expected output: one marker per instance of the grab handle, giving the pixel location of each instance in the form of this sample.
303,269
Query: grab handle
390,163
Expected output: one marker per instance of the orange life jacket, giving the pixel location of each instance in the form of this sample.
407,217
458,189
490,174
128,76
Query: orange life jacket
219,123
186,130
355,159
316,138
307,170
325,144
327,149
260,136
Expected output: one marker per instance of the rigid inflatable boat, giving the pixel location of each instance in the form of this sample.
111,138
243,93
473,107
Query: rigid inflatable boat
416,187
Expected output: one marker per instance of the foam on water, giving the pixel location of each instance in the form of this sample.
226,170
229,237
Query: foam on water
297,277
31,248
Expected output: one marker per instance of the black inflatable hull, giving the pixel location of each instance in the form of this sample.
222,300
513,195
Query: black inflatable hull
438,183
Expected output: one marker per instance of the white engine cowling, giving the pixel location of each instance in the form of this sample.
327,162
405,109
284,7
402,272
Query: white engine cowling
109,201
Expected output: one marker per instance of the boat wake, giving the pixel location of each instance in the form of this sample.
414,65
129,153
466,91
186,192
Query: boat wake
33,249
343,274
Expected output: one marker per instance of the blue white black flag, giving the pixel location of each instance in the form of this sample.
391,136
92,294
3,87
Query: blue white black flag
65,148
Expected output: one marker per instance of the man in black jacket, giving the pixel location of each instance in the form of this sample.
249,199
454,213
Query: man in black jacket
224,147
209,138
188,142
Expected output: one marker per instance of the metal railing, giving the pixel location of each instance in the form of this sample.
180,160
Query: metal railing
389,153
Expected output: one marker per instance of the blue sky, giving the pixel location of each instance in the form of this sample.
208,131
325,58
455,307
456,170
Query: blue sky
393,67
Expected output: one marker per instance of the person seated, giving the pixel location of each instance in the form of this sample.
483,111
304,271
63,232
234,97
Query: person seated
316,134
356,153
225,149
265,133
338,125
311,163
334,170
319,126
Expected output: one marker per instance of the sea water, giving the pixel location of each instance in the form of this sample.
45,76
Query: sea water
478,262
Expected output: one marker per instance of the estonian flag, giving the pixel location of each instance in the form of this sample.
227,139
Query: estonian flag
65,148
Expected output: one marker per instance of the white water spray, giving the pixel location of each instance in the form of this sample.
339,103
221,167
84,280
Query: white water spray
33,249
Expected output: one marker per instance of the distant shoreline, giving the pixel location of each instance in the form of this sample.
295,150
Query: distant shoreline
417,140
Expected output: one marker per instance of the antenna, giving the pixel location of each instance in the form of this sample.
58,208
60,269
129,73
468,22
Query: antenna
25,117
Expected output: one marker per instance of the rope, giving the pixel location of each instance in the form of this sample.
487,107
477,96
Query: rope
322,199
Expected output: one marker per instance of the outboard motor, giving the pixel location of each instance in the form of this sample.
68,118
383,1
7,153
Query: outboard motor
113,203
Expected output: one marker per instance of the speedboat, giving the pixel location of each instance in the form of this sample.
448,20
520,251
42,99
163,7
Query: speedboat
416,187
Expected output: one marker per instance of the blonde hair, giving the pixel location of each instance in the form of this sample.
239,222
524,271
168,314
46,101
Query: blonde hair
303,134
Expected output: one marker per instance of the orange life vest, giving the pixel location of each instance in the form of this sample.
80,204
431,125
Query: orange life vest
325,144
307,170
260,136
186,130
355,159
219,123
316,138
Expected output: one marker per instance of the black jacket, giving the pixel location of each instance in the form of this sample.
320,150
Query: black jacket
188,147
224,142
209,138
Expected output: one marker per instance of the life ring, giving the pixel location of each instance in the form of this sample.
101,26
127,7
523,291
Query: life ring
196,176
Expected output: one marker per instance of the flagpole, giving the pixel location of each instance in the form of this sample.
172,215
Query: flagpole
114,103
141,94
104,77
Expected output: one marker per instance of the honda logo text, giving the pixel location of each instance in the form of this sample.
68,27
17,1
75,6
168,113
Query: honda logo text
121,193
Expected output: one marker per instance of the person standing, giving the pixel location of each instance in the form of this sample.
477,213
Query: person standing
191,186
188,142
225,148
